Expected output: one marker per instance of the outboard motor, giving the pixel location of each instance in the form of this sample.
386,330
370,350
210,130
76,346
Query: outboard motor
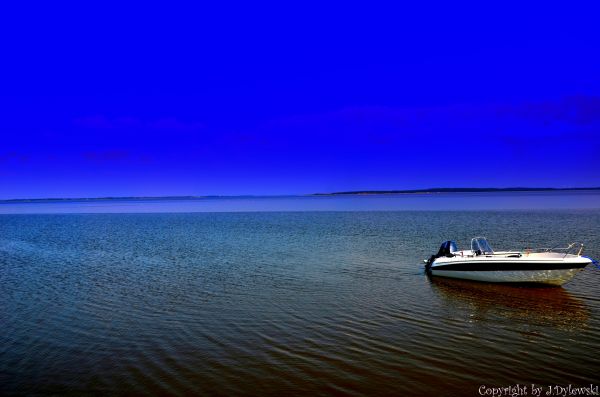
447,249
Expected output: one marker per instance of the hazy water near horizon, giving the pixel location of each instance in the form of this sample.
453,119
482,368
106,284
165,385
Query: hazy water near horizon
377,202
271,303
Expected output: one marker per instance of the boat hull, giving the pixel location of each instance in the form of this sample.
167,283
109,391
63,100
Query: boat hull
551,272
550,276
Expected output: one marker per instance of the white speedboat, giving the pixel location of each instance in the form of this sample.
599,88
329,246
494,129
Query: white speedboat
554,266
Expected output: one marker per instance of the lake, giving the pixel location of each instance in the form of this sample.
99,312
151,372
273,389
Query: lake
317,298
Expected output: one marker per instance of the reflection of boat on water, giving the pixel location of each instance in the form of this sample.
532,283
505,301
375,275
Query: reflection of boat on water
481,263
542,306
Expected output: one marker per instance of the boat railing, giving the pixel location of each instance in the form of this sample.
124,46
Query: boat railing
567,250
579,247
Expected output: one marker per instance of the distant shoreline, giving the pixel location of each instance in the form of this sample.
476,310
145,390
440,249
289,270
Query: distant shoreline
458,190
348,193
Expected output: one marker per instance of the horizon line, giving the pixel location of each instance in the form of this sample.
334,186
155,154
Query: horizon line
341,193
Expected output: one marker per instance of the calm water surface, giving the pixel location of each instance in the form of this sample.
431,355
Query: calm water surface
268,303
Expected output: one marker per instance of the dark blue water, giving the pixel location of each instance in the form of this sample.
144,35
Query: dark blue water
312,303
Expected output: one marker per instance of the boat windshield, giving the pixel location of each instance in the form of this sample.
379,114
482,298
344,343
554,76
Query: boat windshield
480,244
453,247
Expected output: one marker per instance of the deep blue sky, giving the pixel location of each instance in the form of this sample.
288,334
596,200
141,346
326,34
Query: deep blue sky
116,100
